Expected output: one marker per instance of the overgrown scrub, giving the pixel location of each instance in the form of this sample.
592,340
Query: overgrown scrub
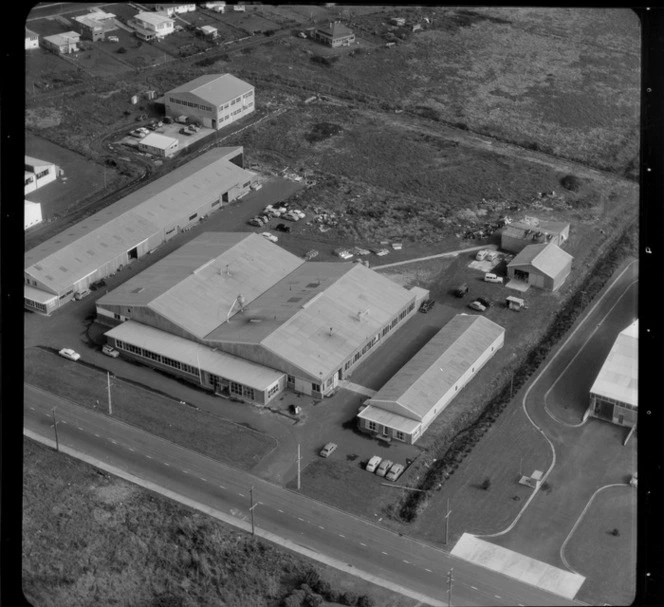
446,463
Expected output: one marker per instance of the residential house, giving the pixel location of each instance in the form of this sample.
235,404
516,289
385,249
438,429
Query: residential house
95,25
335,34
62,44
149,26
31,39
38,173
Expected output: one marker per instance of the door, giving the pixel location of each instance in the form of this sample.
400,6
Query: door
386,431
339,374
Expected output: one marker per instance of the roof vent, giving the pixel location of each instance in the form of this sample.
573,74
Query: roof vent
137,290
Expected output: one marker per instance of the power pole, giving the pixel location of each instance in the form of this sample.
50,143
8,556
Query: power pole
251,495
298,466
447,521
450,579
511,384
55,426
110,406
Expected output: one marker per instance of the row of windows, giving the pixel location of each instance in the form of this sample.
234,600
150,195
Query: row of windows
34,304
27,282
199,106
398,434
42,174
612,401
273,390
28,180
164,360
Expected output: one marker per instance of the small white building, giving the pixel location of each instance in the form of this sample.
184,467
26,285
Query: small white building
217,7
38,173
175,9
31,39
32,215
149,26
62,44
208,31
159,145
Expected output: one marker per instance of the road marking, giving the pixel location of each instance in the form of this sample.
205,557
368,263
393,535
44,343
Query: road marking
31,408
222,487
167,464
405,561
131,449
385,553
300,519
113,441
203,479
62,421
323,528
97,435
280,511
149,456
429,570
363,544
342,535
473,587
186,471
496,596
242,495
79,427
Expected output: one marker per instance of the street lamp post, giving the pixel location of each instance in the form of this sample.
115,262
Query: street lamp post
447,521
55,427
298,466
251,509
450,579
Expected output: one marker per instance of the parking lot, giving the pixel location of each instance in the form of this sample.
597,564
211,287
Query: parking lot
171,130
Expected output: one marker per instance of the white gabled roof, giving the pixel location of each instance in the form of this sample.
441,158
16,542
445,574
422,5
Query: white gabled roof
618,377
549,259
153,18
214,88
156,140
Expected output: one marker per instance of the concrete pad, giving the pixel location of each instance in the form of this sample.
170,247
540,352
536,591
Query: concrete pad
349,385
518,285
518,566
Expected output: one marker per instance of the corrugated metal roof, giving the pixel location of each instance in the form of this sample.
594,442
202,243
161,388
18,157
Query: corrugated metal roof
194,354
214,88
336,30
618,377
63,38
38,295
98,239
356,306
433,371
549,259
158,141
389,419
153,18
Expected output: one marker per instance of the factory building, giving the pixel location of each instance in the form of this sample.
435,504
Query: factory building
239,295
421,390
518,235
107,241
545,266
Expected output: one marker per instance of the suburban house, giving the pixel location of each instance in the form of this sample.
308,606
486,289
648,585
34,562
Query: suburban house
95,25
216,100
173,9
614,395
159,145
38,173
31,39
62,44
32,214
519,234
335,34
149,26
244,318
217,7
545,266
421,390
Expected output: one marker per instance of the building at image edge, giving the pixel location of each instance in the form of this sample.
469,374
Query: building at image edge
615,393
420,391
134,226
224,300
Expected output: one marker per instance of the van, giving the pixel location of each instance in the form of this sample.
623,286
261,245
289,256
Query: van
489,277
81,294
481,254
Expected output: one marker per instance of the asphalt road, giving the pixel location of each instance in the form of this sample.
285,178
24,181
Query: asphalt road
371,551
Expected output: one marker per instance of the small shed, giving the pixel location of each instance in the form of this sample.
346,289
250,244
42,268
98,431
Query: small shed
208,31
515,303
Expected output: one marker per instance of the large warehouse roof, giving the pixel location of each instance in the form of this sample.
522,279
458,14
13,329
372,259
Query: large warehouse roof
420,384
549,259
214,88
194,354
618,378
88,245
195,286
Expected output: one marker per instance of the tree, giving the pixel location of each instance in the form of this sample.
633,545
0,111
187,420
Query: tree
348,598
486,483
365,601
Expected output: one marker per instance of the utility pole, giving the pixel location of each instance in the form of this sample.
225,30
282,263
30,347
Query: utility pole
251,495
110,406
55,426
520,467
298,466
450,579
447,521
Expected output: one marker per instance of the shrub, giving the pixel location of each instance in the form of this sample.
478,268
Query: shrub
121,50
486,483
571,183
365,601
615,532
348,598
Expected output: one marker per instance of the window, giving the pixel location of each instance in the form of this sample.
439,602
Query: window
193,216
394,323
385,331
34,304
399,435
117,317
236,388
371,426
120,344
42,174
215,203
291,379
315,387
28,180
328,383
273,390
246,185
248,392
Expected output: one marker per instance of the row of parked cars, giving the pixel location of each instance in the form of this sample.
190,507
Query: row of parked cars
281,210
382,467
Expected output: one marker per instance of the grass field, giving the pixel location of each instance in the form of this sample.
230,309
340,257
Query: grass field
194,429
594,552
89,538
45,71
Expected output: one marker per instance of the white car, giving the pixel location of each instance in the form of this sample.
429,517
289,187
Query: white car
113,39
384,466
492,255
476,305
256,186
394,473
291,216
361,251
328,449
481,255
69,353
381,252
397,246
110,351
489,277
343,253
372,464
270,237
299,213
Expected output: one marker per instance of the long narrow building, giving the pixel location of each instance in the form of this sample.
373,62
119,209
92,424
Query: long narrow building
132,227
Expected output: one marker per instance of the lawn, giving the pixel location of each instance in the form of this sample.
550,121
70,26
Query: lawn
608,561
45,71
89,538
194,429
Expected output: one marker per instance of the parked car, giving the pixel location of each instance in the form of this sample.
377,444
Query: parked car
291,216
69,353
373,463
397,246
492,255
136,133
481,254
380,252
110,351
383,467
394,473
299,213
328,449
113,39
461,290
274,212
489,277
282,227
168,120
184,131
343,253
476,305
361,251
254,221
270,237
264,218
484,301
425,306
256,186
309,255
81,294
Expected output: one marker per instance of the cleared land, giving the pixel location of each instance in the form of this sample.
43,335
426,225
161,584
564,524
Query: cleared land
195,429
89,538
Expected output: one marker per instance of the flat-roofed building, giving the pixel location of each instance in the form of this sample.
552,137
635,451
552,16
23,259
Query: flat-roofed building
31,39
421,390
517,235
32,214
38,173
216,100
335,34
614,395
95,25
545,266
149,26
171,9
208,31
62,44
135,225
242,295
159,145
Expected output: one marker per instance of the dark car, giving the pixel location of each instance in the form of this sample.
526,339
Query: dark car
425,306
282,227
461,290
484,301
168,120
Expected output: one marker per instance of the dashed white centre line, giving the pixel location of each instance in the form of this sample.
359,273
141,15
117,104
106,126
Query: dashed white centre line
300,519
222,487
167,464
79,427
321,527
280,511
113,441
363,544
149,456
31,408
385,553
203,479
496,596
186,471
473,587
429,570
242,495
97,435
342,535
405,561
131,449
